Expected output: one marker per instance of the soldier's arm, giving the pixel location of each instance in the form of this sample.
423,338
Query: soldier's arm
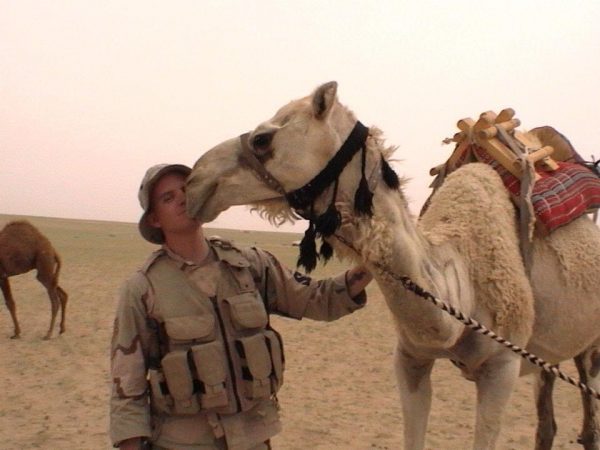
293,294
129,409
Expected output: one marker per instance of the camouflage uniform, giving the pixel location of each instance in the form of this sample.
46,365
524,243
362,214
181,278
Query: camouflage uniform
196,365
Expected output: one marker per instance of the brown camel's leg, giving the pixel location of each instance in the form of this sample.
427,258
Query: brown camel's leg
546,427
10,304
63,306
55,303
588,366
46,276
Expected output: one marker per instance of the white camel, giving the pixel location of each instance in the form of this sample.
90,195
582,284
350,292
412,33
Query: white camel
464,250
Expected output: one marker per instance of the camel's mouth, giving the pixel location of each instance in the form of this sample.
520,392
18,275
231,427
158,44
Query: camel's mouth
205,201
198,201
219,180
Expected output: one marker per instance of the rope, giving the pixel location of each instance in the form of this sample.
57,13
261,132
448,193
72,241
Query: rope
410,285
526,212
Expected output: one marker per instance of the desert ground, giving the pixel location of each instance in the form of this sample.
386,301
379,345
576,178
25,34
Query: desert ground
339,391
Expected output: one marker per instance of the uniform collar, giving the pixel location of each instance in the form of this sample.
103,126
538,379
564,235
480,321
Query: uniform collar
185,262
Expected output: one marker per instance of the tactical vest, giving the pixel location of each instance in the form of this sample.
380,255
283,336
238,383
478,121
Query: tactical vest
220,353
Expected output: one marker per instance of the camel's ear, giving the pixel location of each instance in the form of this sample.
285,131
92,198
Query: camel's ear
323,99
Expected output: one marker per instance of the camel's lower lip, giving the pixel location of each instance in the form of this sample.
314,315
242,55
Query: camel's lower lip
193,209
198,195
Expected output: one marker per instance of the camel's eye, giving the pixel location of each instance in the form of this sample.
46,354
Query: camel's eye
261,142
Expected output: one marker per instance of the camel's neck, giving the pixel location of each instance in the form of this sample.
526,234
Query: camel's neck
390,242
390,236
398,245
399,249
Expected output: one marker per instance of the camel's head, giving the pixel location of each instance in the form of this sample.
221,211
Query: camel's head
297,159
293,146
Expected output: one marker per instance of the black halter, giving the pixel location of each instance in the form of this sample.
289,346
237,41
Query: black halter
326,224
302,199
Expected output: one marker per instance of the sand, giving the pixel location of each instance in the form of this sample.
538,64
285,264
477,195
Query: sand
339,391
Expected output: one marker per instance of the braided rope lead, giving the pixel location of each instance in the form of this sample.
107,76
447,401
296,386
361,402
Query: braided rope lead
476,326
481,329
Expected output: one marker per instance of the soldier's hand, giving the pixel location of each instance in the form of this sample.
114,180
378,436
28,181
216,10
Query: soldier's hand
131,444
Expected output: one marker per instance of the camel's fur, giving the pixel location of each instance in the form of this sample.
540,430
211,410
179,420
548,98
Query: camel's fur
464,250
487,238
24,248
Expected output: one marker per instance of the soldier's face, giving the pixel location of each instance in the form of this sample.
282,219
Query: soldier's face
168,205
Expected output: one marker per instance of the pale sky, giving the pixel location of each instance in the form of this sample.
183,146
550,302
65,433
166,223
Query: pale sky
94,92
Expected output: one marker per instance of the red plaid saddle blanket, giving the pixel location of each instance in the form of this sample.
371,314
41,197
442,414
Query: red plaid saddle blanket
559,196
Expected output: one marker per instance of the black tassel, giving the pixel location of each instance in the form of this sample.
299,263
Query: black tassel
326,251
363,198
308,249
329,221
388,174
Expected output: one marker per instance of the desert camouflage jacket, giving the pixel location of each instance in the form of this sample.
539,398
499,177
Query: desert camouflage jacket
150,308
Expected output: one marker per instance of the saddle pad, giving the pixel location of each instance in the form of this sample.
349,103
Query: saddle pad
558,197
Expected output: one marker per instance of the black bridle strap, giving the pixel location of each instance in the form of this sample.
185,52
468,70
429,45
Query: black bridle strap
302,197
249,159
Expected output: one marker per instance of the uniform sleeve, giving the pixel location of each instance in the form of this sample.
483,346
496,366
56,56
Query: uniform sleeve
293,294
129,407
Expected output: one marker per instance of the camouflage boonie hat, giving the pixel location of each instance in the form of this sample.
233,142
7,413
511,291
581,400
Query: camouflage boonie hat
153,174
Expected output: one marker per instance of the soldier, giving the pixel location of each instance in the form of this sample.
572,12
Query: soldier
195,363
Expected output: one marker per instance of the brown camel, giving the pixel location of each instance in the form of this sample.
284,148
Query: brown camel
24,248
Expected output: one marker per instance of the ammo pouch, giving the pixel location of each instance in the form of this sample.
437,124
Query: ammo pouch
191,380
261,356
186,330
180,382
247,311
209,364
275,346
194,370
162,402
